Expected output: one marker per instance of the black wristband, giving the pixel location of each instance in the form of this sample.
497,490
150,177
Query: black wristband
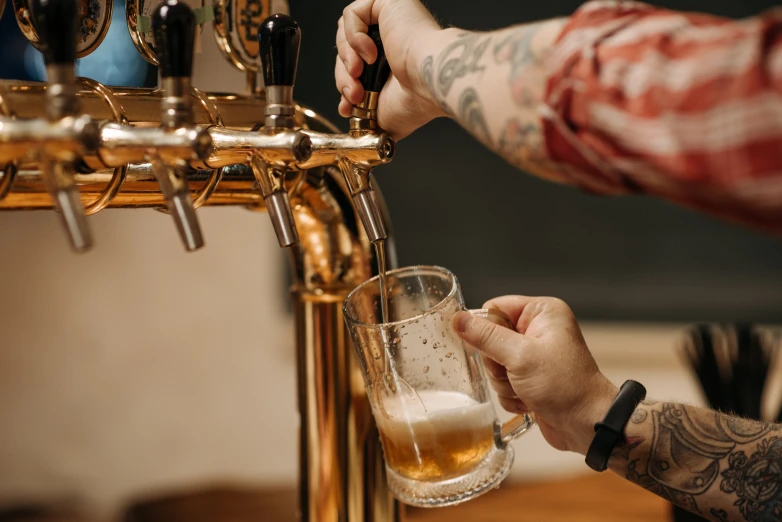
611,431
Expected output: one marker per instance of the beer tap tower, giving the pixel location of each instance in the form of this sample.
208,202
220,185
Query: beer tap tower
80,147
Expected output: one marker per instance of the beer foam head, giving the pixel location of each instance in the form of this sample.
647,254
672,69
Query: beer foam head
436,406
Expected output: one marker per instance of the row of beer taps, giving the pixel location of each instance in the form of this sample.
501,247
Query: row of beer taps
275,150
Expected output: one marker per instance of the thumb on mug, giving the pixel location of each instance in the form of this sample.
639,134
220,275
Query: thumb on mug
496,342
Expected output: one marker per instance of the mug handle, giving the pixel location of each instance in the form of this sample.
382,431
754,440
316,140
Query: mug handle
515,427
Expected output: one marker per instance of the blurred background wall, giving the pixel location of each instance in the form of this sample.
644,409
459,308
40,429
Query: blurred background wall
139,367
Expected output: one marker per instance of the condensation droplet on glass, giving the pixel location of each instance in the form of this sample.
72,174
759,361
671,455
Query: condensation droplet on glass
424,341
426,369
389,378
441,359
449,354
442,370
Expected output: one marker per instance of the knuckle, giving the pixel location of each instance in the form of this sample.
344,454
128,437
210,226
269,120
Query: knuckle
557,304
487,334
351,39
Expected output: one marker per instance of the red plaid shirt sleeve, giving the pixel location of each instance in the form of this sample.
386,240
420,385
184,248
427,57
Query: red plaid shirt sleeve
683,106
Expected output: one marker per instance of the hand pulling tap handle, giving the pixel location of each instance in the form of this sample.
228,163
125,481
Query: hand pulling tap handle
364,120
279,39
375,75
173,25
57,23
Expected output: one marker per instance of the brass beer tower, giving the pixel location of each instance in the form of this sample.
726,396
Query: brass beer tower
79,147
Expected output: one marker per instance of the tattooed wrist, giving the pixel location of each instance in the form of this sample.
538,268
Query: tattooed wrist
725,467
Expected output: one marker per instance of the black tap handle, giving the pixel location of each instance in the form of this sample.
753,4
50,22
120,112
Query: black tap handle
56,22
279,39
173,25
375,75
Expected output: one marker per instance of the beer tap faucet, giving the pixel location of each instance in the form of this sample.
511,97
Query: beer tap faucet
57,21
363,122
279,38
362,148
173,25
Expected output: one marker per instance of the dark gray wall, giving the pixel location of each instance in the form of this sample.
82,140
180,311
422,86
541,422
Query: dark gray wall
501,231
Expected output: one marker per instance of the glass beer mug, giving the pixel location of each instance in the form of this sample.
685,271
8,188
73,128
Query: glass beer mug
442,440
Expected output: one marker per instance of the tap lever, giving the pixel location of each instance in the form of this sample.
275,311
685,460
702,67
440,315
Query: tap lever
173,24
57,22
375,75
279,39
373,78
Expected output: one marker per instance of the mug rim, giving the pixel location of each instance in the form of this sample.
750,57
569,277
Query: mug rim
413,268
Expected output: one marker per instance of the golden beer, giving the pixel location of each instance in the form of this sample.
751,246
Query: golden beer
443,435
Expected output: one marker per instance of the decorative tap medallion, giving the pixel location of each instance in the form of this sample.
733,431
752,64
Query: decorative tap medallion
94,22
236,31
139,17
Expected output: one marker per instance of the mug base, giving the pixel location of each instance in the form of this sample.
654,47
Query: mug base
488,475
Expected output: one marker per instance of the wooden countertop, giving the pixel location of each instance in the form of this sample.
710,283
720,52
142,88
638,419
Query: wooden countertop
589,498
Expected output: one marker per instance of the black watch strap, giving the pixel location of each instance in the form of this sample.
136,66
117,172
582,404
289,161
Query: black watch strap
611,431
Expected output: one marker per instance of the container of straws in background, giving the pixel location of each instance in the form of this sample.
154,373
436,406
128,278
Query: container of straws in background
737,367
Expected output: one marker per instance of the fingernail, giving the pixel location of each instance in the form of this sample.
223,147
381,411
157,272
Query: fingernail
461,321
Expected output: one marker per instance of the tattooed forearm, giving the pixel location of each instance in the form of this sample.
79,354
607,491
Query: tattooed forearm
516,49
459,59
493,85
472,117
723,467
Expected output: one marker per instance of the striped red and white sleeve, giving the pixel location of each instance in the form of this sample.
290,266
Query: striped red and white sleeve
684,106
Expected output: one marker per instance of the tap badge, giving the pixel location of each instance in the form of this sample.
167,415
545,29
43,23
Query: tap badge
249,14
236,25
94,22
